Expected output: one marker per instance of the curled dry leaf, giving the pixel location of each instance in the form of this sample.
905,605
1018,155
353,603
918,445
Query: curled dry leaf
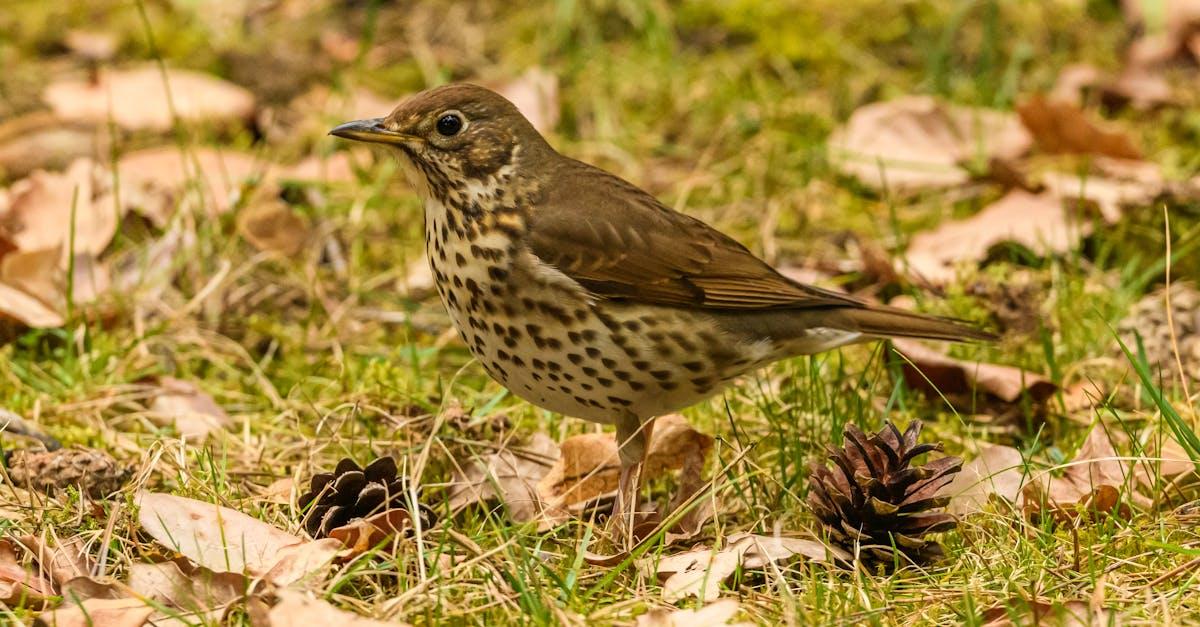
18,585
937,373
20,307
918,142
712,615
13,424
363,534
1172,32
536,95
1072,613
186,588
700,572
41,141
589,465
224,540
192,411
40,210
156,181
146,98
1091,484
511,475
1062,127
997,471
273,226
1037,221
298,608
98,613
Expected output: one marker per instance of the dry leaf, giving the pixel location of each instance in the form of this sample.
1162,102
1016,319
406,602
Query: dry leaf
1172,33
364,534
997,470
156,181
20,307
1071,613
511,475
19,586
190,589
135,99
40,210
224,540
1092,483
700,572
98,613
937,373
13,424
535,93
588,465
918,142
712,615
1037,221
298,608
1136,86
41,141
274,227
191,410
1062,127
62,561
298,561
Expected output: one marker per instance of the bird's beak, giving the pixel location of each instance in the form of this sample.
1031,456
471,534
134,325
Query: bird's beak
371,130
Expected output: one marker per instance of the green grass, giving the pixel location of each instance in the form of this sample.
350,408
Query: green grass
664,94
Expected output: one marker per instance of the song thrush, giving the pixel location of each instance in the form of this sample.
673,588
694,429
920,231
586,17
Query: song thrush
586,296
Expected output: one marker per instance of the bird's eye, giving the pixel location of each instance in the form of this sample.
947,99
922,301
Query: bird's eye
450,124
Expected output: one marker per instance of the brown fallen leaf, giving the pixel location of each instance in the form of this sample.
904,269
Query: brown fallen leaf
192,411
1062,127
997,471
918,142
18,306
927,369
511,475
1136,86
588,465
700,572
712,615
224,540
1037,221
535,93
41,141
97,613
364,534
186,588
272,226
61,560
1091,484
40,210
1173,32
156,181
19,587
298,608
1071,613
147,98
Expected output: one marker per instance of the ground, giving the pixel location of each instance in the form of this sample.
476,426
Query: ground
723,110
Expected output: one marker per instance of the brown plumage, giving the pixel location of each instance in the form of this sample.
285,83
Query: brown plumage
585,295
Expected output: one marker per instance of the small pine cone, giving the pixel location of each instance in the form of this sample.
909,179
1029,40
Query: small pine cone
875,499
93,472
351,492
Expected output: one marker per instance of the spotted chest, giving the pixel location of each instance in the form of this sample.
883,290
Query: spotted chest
546,339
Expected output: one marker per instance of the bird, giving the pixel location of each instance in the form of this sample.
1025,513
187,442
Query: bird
585,295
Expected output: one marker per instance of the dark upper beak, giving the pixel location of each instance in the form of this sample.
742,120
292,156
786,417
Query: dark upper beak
371,131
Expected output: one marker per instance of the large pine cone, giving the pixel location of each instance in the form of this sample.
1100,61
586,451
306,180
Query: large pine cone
351,492
874,499
93,472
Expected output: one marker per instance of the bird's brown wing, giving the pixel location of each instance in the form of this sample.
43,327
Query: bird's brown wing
619,242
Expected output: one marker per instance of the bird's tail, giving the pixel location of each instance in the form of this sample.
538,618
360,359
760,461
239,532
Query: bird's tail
881,321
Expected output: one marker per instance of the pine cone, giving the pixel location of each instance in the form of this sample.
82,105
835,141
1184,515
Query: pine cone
873,498
93,472
351,492
1149,320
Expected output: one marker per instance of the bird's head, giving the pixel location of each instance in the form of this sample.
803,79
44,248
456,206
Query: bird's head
455,138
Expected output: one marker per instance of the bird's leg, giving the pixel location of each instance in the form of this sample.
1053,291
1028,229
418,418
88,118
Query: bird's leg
633,436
